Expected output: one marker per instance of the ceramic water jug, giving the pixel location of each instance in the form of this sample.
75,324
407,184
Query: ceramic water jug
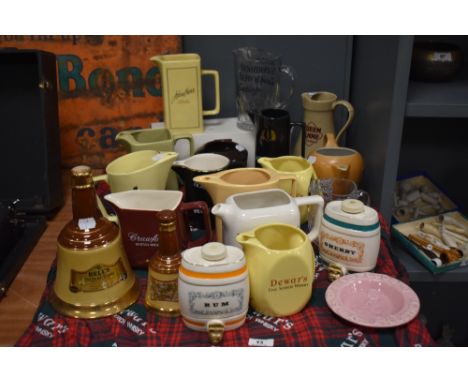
245,211
281,267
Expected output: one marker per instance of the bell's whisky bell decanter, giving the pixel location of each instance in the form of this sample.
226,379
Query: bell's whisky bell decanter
94,278
163,271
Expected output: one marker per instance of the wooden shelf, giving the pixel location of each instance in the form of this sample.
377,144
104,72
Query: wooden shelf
443,99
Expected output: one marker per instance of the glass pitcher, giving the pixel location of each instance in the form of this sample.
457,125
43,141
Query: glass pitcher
258,83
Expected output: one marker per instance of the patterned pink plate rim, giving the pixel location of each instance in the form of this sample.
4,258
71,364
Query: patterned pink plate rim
372,299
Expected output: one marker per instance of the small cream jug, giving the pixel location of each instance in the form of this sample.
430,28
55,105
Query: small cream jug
245,211
182,92
213,289
319,110
350,235
296,166
281,267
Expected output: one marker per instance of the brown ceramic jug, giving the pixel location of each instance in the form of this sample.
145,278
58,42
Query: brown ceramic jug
332,161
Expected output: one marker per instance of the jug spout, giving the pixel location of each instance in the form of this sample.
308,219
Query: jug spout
248,239
307,100
209,183
223,210
265,162
126,139
115,203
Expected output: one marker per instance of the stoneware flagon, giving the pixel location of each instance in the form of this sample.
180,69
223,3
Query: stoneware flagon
350,235
292,165
245,211
281,265
332,161
319,108
213,289
225,183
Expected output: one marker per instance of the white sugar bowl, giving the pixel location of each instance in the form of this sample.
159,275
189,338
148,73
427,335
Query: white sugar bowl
350,235
213,289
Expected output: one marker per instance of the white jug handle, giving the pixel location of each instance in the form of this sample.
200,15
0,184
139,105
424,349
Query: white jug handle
310,200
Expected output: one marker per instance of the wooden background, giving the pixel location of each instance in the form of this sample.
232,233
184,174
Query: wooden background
105,84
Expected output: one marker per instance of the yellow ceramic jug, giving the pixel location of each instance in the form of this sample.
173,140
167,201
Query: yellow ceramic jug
182,92
296,166
281,265
142,170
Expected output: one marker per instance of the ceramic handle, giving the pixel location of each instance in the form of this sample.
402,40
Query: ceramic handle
190,206
189,138
313,200
215,75
350,109
302,126
293,180
112,218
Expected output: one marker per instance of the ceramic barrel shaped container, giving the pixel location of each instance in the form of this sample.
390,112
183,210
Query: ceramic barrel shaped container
350,235
281,268
213,288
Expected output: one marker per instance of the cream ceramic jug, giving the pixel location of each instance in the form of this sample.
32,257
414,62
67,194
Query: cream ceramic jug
281,267
296,166
140,170
181,77
319,110
350,235
245,211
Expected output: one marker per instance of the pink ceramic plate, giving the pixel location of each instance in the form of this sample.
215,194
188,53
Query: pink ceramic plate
372,299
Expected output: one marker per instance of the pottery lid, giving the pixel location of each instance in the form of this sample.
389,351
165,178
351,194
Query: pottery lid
351,212
213,257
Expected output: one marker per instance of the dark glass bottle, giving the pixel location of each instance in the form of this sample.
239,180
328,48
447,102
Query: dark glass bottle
163,269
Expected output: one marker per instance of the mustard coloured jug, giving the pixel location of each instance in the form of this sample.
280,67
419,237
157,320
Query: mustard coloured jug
182,92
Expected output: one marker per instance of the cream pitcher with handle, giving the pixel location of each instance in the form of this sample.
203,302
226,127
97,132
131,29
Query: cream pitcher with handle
281,265
319,110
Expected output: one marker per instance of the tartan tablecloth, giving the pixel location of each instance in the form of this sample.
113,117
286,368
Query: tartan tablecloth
315,325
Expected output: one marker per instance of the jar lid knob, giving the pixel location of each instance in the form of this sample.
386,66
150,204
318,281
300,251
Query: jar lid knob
352,206
213,251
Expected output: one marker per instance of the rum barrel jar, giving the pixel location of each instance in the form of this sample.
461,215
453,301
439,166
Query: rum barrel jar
213,289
